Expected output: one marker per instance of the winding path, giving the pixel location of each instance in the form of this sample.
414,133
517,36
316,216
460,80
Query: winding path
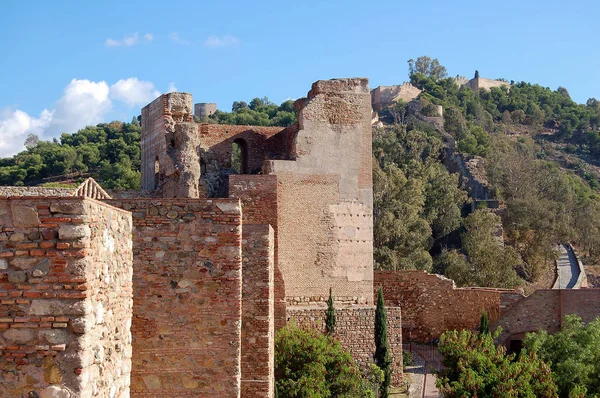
567,268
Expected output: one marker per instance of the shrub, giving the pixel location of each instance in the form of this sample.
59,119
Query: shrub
310,364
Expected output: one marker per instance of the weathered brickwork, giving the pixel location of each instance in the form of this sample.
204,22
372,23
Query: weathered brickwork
545,309
355,328
431,304
66,298
258,195
258,326
187,297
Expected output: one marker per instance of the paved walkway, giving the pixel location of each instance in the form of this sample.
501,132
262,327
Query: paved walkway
568,269
433,362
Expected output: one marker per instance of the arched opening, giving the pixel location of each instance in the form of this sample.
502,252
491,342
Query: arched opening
156,172
239,156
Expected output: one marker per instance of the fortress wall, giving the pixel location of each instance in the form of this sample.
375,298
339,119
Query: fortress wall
544,309
384,96
35,191
325,197
216,142
355,328
66,298
258,327
187,297
431,304
158,125
322,244
258,195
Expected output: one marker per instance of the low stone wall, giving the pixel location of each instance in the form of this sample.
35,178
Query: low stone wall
35,191
431,304
355,328
66,298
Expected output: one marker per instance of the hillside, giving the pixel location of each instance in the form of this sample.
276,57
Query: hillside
538,150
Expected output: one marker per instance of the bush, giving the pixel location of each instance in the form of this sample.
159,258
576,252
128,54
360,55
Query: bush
407,358
310,364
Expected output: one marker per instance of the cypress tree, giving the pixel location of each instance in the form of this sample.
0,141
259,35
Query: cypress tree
382,352
484,326
476,74
330,316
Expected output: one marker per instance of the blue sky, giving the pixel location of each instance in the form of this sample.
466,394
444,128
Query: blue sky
66,63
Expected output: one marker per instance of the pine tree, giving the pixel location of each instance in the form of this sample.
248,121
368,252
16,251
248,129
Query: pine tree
330,316
484,326
382,352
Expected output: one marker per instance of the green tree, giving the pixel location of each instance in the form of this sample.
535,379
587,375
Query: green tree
476,74
330,319
475,367
573,355
383,357
310,364
431,68
493,264
484,326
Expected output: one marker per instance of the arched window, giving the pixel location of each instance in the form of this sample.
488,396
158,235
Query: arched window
156,172
239,156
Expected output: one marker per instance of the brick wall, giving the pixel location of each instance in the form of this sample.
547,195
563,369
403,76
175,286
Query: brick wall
258,195
158,121
431,304
321,243
262,143
355,328
187,297
66,298
544,309
257,311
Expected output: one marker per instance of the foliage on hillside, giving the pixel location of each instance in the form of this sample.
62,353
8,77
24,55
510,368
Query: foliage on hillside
416,200
110,152
573,355
476,367
259,112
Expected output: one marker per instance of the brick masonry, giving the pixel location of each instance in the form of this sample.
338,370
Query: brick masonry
66,298
431,304
258,326
355,328
187,297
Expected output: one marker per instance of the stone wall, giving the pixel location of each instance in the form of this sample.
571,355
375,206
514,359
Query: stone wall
431,304
159,119
187,297
355,328
66,298
545,309
481,82
325,197
35,191
258,327
259,197
384,96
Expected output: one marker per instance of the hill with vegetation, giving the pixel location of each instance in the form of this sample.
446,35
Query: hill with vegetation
540,149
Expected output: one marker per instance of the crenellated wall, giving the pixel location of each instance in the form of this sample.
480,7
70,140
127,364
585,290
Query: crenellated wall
66,298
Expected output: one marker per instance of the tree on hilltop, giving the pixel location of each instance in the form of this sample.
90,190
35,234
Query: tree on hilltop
429,67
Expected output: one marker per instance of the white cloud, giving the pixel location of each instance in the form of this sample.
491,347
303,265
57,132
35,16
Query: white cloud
83,103
172,88
177,39
129,41
221,41
133,92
